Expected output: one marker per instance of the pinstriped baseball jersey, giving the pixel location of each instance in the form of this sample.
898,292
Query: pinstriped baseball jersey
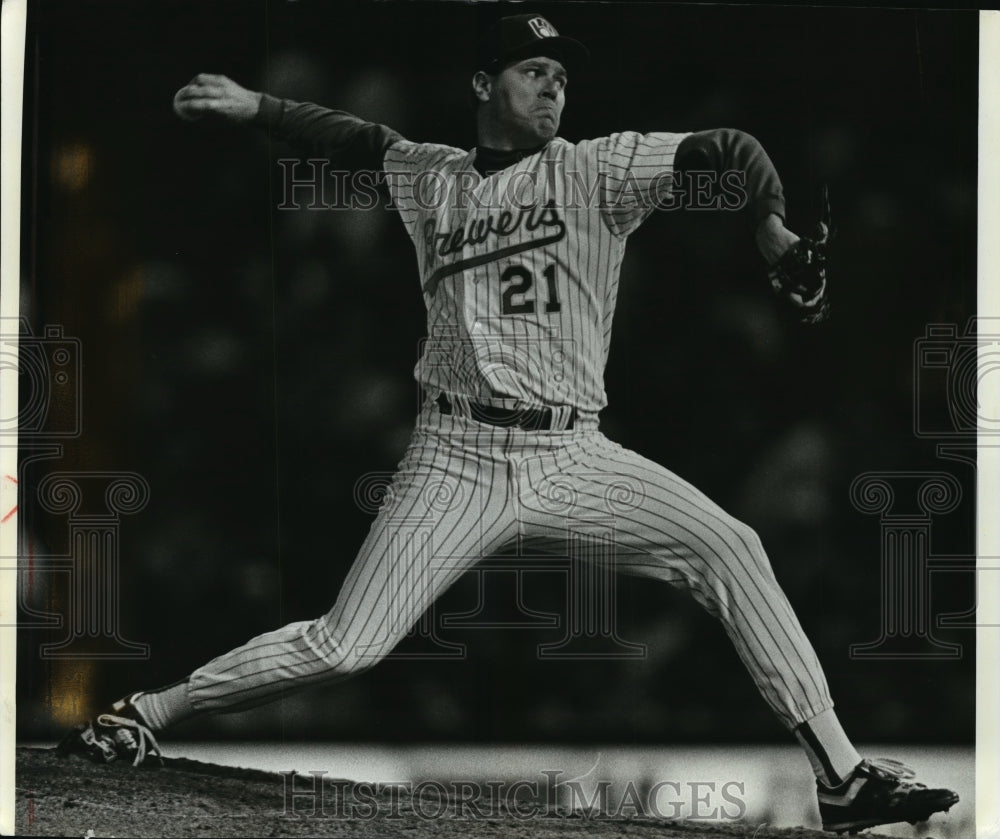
520,269
520,276
519,249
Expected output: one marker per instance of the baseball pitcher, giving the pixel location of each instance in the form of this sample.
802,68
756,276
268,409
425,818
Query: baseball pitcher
519,243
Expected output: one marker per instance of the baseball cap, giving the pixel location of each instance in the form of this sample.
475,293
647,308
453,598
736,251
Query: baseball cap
521,36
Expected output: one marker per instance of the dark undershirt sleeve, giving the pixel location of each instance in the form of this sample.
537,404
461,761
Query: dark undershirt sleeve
342,138
727,149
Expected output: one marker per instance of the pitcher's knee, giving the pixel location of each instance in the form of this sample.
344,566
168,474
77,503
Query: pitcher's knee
750,538
755,551
342,657
352,663
749,552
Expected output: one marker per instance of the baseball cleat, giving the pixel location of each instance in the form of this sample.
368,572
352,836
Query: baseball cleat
879,792
118,733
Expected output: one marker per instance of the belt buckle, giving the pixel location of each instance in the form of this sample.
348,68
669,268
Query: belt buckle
483,413
444,404
535,419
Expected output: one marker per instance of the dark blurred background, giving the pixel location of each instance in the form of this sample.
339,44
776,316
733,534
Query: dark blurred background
252,364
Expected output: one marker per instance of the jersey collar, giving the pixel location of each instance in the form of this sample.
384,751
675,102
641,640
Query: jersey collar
488,161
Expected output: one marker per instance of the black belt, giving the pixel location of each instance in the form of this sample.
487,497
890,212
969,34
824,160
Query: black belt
530,419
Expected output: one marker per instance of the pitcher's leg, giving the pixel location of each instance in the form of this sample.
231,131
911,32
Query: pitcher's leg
445,512
668,530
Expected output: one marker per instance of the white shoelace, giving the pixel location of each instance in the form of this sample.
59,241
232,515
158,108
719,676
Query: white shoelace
127,726
896,769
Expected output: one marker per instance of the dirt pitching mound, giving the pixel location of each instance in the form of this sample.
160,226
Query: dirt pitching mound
69,796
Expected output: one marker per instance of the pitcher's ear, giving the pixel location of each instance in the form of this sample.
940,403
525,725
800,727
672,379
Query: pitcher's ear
482,86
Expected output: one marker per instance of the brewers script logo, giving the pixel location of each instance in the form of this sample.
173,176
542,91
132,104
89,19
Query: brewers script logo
542,28
442,243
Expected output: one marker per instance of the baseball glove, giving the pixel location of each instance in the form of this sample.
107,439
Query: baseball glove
799,277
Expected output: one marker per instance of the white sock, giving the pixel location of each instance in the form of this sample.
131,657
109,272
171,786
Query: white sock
165,707
831,754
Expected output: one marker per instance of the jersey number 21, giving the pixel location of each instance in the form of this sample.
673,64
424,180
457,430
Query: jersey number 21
516,282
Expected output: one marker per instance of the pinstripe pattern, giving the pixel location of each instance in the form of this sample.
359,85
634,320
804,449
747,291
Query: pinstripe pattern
448,505
465,490
502,485
600,191
670,531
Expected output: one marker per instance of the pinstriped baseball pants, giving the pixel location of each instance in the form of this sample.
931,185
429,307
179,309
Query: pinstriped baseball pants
466,490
